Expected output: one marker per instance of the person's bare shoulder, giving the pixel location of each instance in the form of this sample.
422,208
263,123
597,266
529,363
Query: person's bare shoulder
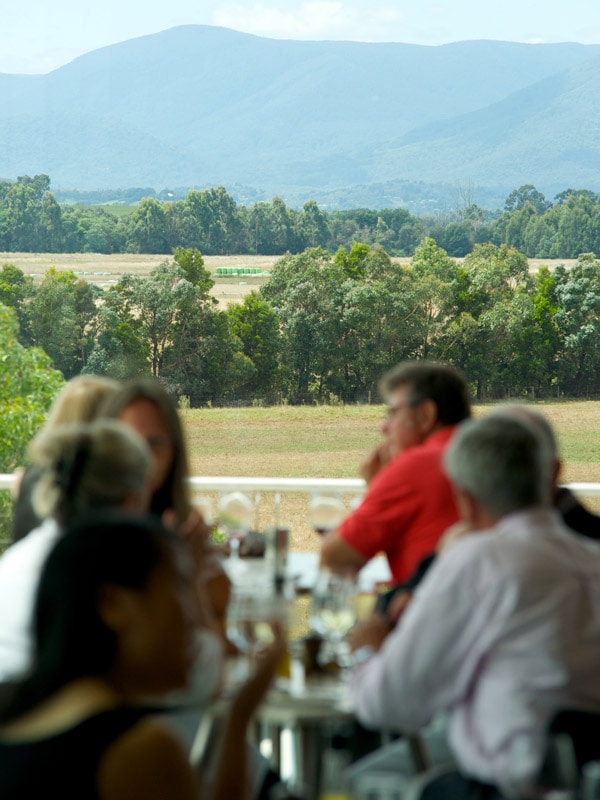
148,762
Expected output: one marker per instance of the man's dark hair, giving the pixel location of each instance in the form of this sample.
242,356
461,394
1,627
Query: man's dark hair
427,380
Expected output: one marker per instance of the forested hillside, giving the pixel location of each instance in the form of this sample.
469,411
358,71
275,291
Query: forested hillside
197,106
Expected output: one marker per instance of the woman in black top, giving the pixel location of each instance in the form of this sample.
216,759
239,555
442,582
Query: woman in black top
114,622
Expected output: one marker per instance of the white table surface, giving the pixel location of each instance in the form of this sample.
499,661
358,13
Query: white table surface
305,566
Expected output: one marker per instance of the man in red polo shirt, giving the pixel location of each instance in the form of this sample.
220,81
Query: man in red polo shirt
409,502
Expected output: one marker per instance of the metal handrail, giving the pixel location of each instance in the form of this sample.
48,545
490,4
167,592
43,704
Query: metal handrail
299,485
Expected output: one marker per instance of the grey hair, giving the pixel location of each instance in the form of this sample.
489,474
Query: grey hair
534,418
503,462
87,467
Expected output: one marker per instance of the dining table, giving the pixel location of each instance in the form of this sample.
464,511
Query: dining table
303,709
311,710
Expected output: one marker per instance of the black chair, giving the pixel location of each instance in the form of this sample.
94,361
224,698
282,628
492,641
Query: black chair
583,730
445,782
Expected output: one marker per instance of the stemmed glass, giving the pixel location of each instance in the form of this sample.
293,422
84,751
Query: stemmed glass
204,505
252,609
325,512
235,519
333,614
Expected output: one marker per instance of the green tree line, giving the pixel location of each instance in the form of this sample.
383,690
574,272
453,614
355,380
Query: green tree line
211,221
325,325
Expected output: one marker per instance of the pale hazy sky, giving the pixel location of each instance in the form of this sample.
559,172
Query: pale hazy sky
37,36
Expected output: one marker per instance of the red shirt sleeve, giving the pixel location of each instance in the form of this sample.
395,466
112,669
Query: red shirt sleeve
407,508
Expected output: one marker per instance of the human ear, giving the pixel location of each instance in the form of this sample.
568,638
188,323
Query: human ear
135,501
115,607
426,416
466,505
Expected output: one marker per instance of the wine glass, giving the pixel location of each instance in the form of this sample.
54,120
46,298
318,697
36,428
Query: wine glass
333,614
325,512
204,505
252,609
235,518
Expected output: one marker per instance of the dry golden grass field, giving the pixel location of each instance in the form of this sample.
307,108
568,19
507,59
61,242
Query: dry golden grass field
328,442
106,269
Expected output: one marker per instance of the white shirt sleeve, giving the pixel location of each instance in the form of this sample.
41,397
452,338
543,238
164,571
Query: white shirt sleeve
430,660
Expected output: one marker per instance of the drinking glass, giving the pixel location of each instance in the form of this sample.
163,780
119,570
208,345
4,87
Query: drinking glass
235,520
252,609
204,505
333,614
325,512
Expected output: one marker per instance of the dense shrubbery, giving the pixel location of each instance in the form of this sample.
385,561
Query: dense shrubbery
28,385
326,325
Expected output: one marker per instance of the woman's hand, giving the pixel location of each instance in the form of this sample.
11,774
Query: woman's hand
197,533
255,688
233,783
194,530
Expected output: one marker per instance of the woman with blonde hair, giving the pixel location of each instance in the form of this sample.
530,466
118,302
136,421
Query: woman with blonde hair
78,401
81,468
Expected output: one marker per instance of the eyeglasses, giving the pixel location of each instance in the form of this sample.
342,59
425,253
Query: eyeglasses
391,410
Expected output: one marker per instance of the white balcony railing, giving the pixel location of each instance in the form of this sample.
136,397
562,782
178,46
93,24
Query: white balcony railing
305,564
299,485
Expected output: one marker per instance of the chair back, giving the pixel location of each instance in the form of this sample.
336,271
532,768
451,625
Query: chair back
583,729
573,742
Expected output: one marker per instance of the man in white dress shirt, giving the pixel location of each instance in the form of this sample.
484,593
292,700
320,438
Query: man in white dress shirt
505,629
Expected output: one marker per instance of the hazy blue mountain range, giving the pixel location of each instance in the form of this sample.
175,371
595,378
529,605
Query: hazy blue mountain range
201,106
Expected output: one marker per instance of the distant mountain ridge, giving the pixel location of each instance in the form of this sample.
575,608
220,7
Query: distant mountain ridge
200,106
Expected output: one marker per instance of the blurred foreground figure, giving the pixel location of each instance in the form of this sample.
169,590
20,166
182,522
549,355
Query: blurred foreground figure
409,502
78,401
574,514
115,622
505,628
146,407
80,469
